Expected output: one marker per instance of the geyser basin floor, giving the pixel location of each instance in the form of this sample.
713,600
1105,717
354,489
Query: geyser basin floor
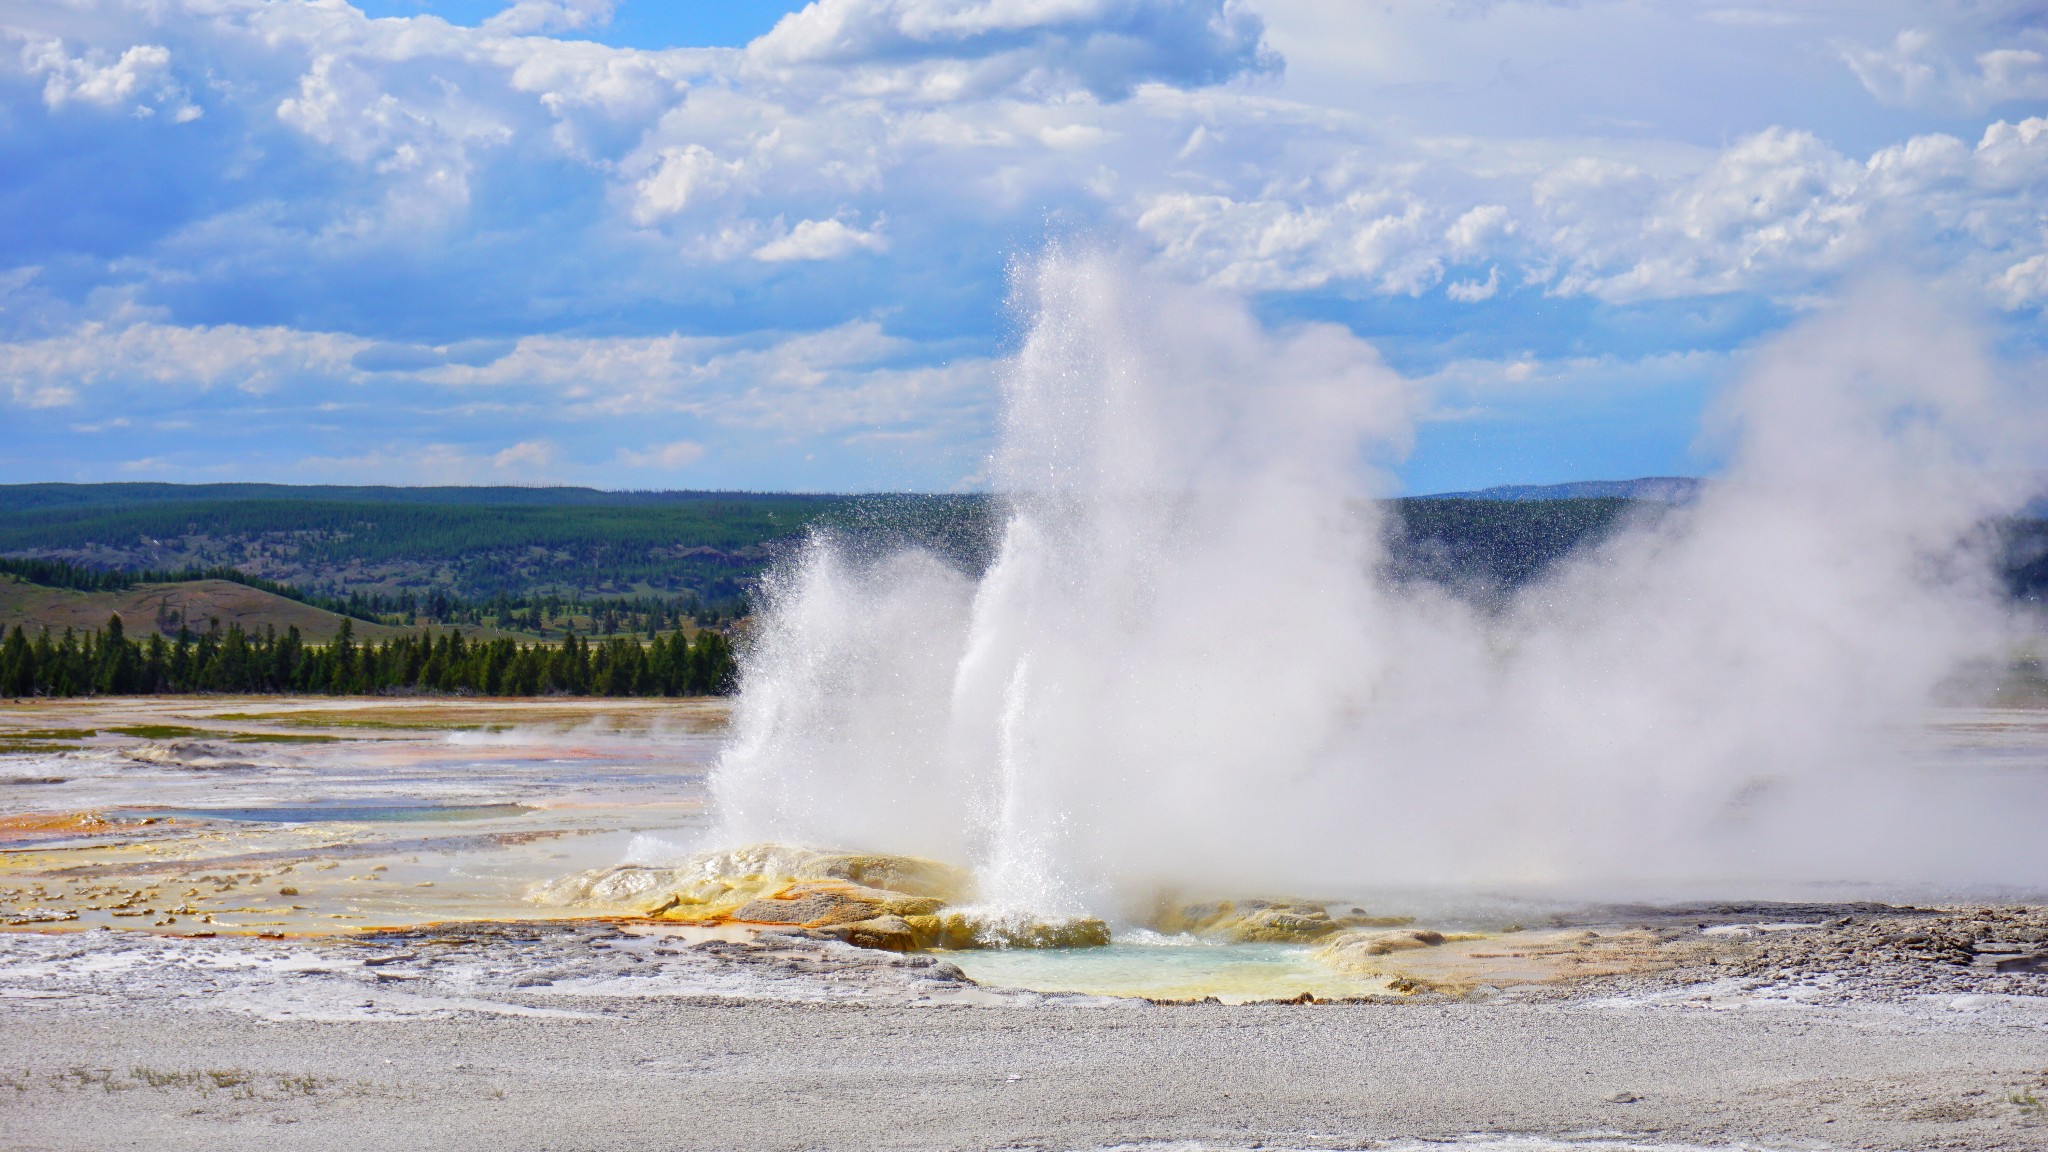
582,1036
268,815
518,1034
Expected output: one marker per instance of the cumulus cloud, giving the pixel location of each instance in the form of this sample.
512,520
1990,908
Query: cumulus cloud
139,77
2025,283
667,457
1920,68
526,17
837,380
1776,212
821,240
528,462
495,216
681,175
851,376
1104,46
1474,291
55,369
1380,237
857,109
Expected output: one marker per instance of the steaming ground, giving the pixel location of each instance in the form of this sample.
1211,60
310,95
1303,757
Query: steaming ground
1181,668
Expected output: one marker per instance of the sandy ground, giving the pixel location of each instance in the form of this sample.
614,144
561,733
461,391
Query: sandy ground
590,1036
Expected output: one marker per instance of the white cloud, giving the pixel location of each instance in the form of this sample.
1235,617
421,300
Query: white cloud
430,463
974,46
527,454
423,152
54,370
1776,212
1920,69
858,109
2025,283
1379,237
1472,230
1476,389
28,394
821,240
852,377
843,378
1474,291
140,77
667,457
451,213
681,176
527,17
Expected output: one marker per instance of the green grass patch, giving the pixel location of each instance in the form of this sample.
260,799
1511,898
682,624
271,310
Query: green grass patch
161,731
281,738
8,747
51,734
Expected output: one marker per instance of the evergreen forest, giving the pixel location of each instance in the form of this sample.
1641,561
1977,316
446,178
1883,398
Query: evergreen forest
109,662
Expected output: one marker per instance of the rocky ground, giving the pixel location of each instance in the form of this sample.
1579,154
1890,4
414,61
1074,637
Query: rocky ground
1763,1026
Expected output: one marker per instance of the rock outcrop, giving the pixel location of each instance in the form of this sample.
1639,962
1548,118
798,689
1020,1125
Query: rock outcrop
817,903
896,903
970,929
888,933
715,886
1250,921
1355,951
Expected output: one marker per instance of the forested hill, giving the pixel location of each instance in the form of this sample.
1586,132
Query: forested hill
381,553
476,545
22,497
525,557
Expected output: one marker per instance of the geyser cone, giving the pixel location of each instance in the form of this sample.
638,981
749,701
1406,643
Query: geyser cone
1182,667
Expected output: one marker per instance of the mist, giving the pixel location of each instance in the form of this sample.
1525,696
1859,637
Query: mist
1184,670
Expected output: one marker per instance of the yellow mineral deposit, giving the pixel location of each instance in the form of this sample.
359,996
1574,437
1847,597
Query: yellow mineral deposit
898,903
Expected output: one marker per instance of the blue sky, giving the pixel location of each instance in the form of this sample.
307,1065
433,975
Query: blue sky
742,244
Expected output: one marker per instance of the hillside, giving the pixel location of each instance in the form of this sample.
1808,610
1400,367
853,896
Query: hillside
470,544
1482,548
532,560
162,607
1650,489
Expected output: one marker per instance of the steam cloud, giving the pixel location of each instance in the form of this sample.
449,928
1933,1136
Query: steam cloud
1181,668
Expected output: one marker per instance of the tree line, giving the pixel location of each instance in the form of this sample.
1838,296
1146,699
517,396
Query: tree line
107,662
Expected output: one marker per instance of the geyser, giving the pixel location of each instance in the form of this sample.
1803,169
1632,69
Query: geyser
1182,668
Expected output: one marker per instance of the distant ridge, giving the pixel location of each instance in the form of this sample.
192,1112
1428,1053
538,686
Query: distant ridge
1651,489
20,497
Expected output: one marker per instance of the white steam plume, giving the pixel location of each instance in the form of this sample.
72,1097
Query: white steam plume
1181,668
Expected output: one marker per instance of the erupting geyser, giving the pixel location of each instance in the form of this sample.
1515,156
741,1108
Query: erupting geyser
1184,668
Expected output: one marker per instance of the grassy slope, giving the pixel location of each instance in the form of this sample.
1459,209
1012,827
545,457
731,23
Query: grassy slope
36,607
